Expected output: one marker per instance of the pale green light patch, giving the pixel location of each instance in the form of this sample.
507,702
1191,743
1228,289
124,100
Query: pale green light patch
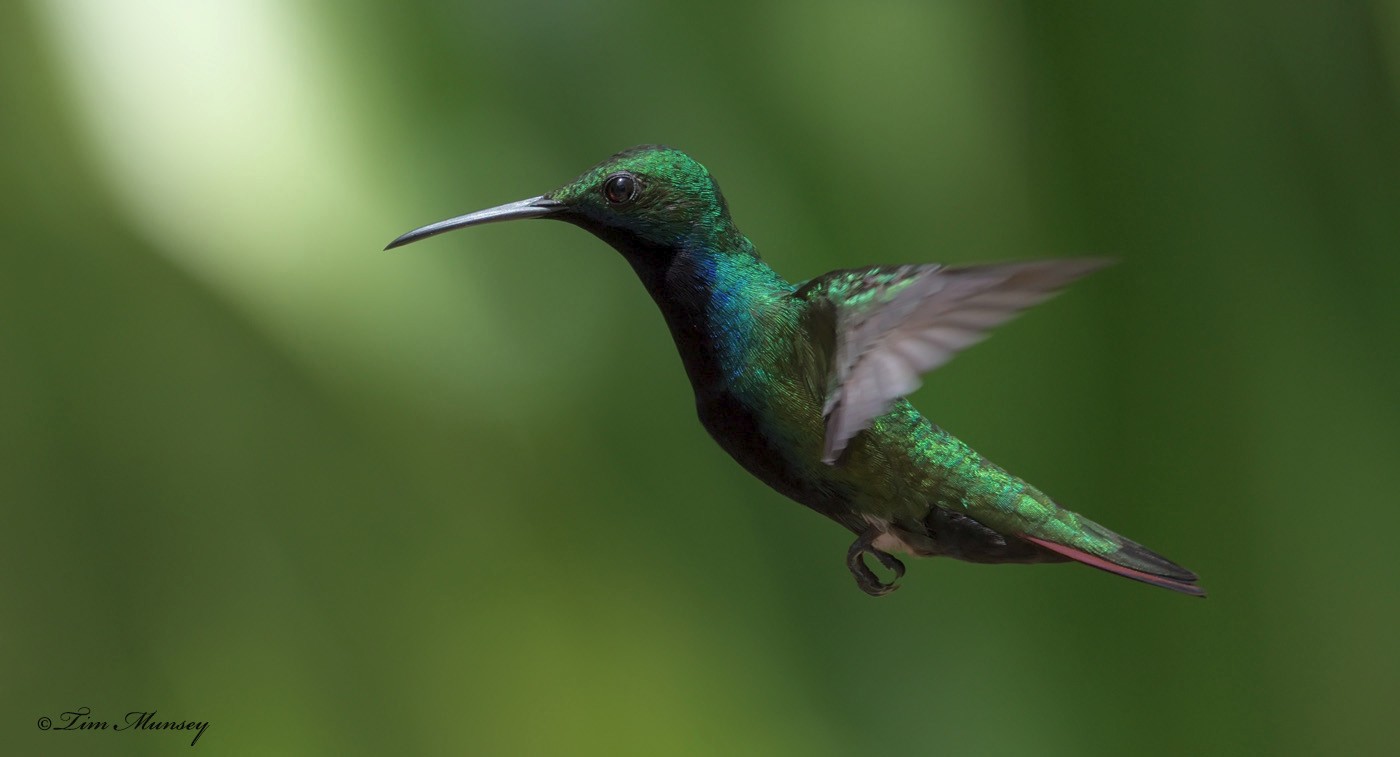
231,141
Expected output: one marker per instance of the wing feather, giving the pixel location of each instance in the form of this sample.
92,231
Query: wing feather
894,324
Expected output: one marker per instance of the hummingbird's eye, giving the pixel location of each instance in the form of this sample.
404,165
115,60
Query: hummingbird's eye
620,188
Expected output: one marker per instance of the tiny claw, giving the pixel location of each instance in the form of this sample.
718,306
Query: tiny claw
890,562
865,577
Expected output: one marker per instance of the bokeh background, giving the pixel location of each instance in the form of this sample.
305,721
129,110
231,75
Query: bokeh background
454,499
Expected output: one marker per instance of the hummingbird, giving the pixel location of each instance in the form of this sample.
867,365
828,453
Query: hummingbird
804,384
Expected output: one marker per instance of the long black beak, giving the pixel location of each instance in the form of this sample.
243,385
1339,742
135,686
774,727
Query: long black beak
535,207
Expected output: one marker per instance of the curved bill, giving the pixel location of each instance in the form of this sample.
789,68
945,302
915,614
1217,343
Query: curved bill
535,207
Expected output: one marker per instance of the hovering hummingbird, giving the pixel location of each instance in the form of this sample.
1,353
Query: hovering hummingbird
804,384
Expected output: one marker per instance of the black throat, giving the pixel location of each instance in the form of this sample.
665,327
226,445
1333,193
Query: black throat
675,277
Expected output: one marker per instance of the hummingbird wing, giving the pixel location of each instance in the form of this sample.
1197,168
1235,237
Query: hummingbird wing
894,323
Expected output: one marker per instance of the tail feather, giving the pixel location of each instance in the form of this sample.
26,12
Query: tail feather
1131,560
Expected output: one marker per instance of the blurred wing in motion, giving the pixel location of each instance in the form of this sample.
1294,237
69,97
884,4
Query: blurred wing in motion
895,323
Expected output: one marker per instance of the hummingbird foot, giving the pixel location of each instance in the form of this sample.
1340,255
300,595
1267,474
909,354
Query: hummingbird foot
865,577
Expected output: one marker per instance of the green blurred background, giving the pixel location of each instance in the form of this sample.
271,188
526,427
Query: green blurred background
454,499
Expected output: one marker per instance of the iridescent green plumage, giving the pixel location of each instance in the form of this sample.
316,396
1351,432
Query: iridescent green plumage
804,385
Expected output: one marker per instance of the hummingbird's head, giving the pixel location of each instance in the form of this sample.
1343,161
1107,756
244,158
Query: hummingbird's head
648,196
652,194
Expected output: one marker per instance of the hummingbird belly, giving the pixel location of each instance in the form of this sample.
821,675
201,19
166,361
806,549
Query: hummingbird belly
741,430
881,484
